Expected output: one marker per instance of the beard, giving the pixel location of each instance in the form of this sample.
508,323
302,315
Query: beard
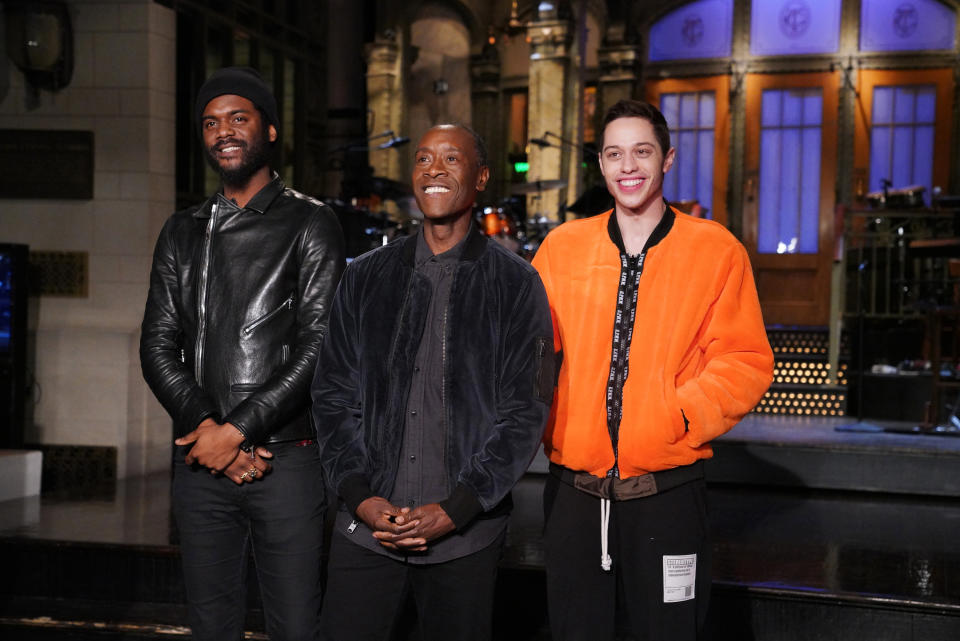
252,158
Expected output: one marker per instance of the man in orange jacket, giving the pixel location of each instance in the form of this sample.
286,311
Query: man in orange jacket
663,348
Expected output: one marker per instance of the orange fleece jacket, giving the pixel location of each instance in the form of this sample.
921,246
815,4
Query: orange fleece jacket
699,346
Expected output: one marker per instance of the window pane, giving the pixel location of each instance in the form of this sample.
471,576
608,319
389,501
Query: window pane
926,104
789,189
688,110
705,170
768,225
880,154
687,157
669,107
882,105
810,192
771,108
792,108
691,117
812,109
708,108
903,152
922,155
903,105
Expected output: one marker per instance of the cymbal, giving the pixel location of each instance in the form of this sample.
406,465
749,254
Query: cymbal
391,189
537,186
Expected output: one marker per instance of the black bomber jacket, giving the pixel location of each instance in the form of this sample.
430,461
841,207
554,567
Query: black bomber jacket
237,308
497,374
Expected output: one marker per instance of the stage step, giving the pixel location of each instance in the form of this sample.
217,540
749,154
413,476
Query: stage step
803,383
790,451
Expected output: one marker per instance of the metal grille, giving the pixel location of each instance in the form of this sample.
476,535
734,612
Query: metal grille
58,273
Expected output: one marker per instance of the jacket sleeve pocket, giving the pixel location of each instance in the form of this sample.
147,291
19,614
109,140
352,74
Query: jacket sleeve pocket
546,369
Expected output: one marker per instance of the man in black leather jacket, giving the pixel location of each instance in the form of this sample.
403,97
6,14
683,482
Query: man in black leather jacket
431,394
238,305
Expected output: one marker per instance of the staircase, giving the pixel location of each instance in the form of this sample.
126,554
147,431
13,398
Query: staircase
803,383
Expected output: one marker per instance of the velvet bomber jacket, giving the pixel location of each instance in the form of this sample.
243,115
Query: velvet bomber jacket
238,305
497,369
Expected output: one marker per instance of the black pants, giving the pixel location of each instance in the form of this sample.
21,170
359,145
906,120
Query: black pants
366,592
587,603
280,517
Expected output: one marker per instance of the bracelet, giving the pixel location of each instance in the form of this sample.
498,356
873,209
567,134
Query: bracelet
245,445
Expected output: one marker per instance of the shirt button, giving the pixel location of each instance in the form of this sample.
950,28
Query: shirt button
413,412
413,457
416,368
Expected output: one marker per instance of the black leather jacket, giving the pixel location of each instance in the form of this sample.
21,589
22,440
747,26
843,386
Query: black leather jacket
497,373
237,309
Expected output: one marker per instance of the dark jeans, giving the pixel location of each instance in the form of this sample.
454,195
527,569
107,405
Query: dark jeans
279,517
587,603
366,592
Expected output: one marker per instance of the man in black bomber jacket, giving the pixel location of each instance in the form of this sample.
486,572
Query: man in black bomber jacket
238,304
430,398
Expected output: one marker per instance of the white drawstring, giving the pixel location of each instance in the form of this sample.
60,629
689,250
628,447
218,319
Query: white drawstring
605,561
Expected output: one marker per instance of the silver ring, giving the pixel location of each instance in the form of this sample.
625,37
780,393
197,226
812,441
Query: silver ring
253,472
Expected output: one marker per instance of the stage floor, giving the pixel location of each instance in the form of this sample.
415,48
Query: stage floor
868,547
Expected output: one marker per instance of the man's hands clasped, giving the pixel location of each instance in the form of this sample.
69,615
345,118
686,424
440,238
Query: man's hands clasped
403,529
216,446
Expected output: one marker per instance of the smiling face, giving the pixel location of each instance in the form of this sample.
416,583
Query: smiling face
633,164
446,173
236,141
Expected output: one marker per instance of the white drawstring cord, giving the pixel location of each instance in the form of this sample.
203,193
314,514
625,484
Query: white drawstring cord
605,561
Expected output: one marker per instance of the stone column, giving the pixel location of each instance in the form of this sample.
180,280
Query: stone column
385,98
619,69
486,115
549,98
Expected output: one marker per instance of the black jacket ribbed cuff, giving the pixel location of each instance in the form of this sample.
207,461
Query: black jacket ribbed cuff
354,490
462,506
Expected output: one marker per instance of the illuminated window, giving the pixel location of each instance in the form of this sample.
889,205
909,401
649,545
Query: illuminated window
789,182
902,136
691,117
701,29
896,25
792,27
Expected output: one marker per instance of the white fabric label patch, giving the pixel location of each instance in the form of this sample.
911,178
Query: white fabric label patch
679,577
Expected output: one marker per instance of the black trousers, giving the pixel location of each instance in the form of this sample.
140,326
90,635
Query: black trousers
279,518
587,603
366,592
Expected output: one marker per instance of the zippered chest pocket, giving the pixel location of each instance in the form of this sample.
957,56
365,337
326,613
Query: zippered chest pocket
266,318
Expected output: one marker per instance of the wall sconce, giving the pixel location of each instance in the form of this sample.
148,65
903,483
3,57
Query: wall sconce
40,42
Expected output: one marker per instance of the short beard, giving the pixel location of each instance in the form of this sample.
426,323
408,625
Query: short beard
253,158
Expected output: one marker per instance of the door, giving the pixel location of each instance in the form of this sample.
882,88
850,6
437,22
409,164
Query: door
698,114
790,181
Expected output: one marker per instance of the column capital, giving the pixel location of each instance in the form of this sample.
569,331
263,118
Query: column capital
485,71
619,62
382,56
549,39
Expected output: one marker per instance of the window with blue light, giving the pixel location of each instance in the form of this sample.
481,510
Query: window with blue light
691,117
789,182
902,127
794,27
906,25
701,29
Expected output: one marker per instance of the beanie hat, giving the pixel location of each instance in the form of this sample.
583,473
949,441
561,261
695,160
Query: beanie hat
239,81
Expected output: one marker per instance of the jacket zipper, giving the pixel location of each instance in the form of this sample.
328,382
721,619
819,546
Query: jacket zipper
614,471
202,304
287,304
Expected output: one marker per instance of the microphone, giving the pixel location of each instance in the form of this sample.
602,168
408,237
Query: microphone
395,141
540,142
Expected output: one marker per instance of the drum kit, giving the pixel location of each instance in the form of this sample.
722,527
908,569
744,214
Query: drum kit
366,226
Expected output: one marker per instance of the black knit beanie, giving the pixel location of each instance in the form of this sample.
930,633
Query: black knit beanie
239,81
